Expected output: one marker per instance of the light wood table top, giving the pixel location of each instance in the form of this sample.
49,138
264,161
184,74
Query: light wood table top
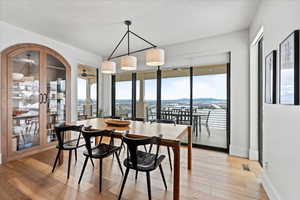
168,132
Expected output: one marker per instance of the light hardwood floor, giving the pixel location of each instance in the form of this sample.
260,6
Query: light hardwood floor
215,176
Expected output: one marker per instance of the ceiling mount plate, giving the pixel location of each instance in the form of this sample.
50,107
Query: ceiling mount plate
127,22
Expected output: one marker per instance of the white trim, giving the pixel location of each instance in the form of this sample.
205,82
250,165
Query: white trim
269,187
0,158
238,151
253,154
258,36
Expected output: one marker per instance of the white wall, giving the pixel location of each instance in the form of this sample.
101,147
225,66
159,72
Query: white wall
213,51
281,139
10,35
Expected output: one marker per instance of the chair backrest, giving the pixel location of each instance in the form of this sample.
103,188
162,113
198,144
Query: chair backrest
61,131
136,119
112,117
88,133
184,116
133,143
208,114
166,121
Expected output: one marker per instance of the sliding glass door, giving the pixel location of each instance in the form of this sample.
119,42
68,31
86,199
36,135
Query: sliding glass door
210,105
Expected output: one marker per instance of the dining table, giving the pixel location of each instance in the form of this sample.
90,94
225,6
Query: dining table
171,136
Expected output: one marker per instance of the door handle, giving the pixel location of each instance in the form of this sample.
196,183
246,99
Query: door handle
46,98
41,98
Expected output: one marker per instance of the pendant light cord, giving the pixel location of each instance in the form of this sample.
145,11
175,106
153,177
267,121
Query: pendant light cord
128,32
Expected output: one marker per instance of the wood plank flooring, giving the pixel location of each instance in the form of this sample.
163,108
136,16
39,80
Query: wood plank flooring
215,176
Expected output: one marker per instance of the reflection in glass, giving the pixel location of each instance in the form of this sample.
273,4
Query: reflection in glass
86,93
56,96
25,100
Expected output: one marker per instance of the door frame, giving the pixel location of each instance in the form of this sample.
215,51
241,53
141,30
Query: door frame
260,65
5,63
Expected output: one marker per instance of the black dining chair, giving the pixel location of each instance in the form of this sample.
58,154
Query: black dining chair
142,161
165,121
68,145
136,119
204,121
100,151
133,119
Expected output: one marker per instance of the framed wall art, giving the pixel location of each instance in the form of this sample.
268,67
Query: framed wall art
289,70
270,77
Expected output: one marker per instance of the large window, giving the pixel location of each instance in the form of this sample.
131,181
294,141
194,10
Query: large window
175,95
87,92
195,96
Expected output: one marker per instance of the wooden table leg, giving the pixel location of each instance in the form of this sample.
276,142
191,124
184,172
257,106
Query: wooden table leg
190,143
176,180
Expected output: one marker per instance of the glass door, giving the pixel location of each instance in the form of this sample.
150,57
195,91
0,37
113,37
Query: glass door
25,99
55,96
210,106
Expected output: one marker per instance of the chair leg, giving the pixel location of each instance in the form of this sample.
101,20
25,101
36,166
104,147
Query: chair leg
76,155
69,163
145,148
150,149
136,174
170,160
56,159
83,168
148,185
122,144
208,130
119,163
163,176
100,175
123,183
92,162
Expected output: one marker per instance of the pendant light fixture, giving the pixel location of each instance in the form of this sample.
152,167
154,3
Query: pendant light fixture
154,56
108,67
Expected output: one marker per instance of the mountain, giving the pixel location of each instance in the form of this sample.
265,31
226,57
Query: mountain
204,100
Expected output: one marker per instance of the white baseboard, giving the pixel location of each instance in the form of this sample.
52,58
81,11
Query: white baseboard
269,187
253,154
238,151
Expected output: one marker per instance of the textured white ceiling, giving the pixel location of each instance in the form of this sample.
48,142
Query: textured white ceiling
97,25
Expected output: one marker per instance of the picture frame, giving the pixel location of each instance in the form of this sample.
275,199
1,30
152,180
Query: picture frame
289,70
270,77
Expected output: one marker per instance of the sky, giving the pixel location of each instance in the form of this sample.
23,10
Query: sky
204,86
